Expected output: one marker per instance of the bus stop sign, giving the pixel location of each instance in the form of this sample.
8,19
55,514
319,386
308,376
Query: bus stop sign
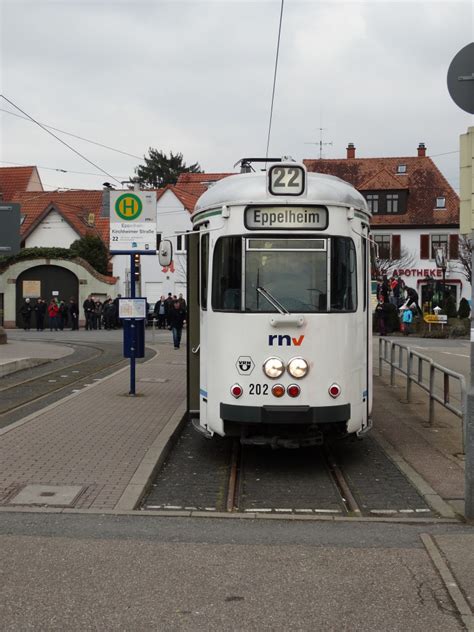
461,79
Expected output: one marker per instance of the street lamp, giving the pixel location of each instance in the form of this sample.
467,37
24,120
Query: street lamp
440,258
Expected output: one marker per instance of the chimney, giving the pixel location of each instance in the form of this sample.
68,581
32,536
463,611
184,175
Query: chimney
421,150
351,151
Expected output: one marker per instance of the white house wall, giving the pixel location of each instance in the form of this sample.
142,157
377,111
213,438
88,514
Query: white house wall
54,231
414,271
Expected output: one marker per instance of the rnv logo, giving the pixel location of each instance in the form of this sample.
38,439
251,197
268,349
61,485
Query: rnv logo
287,340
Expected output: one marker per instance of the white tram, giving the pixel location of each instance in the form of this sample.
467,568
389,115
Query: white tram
279,341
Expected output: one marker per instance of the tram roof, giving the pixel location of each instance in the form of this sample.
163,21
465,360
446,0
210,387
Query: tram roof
251,188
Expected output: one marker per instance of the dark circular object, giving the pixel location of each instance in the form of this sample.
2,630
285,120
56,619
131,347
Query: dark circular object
461,79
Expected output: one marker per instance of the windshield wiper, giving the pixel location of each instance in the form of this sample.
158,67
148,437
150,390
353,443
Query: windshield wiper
272,300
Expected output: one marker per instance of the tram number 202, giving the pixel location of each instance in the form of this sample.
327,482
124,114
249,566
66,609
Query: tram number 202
258,389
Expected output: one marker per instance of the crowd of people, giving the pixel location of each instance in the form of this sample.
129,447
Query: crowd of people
57,315
394,295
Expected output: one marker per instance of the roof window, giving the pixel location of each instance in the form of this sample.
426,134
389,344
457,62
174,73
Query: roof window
22,219
441,202
401,168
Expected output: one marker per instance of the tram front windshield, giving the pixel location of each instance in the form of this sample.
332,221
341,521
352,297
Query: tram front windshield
260,274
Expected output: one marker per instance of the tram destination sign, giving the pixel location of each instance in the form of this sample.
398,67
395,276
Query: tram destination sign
133,222
286,218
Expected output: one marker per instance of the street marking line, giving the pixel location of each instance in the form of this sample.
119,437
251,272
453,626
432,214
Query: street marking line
459,355
449,581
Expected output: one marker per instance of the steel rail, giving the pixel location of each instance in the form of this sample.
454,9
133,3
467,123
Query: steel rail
233,476
335,471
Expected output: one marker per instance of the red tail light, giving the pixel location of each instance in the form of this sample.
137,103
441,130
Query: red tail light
334,390
293,390
236,390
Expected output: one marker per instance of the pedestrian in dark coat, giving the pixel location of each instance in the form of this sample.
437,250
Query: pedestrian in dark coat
74,314
40,313
116,309
98,315
109,314
176,318
380,312
412,299
25,312
160,312
63,314
89,307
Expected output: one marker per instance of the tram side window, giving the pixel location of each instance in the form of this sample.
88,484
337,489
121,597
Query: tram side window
204,269
343,275
227,274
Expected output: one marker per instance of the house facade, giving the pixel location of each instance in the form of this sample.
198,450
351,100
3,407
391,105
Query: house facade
415,211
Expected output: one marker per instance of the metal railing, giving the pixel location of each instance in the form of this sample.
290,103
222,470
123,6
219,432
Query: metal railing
423,371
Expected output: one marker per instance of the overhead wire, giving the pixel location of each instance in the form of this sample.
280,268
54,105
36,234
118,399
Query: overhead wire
82,173
59,139
274,78
87,140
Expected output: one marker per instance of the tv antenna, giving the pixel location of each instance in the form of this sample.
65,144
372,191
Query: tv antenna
321,144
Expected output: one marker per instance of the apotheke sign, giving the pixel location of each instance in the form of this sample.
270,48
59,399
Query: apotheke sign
132,222
419,272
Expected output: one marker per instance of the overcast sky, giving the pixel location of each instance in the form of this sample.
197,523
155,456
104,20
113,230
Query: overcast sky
196,77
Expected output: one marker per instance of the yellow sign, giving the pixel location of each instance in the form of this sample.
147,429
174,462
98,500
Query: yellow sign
435,318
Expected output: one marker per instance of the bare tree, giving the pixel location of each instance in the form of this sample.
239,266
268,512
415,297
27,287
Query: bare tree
383,267
465,257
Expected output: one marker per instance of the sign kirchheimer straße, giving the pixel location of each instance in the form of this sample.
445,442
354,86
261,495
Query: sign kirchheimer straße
132,222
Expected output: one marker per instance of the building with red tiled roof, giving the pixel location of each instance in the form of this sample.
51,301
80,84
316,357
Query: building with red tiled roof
53,219
415,211
18,180
197,183
50,218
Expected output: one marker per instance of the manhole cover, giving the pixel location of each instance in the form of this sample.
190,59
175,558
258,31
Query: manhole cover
52,495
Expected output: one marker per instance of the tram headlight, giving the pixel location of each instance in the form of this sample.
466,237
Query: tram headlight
273,368
297,368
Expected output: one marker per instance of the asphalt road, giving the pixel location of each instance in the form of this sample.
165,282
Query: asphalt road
85,572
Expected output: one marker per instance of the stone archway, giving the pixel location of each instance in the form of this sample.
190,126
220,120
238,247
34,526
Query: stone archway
45,281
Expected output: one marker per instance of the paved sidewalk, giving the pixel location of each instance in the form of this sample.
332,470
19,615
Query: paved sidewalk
17,355
434,452
99,443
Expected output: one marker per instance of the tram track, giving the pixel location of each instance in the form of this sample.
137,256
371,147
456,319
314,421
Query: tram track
20,396
238,475
346,479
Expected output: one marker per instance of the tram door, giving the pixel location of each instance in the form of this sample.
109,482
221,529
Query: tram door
193,325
